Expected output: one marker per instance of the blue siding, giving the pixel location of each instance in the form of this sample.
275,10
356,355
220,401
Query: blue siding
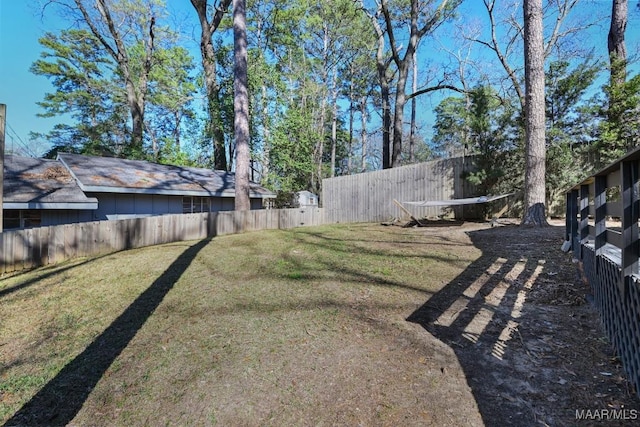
119,206
63,216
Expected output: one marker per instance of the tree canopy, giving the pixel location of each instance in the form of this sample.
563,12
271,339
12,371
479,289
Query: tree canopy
327,87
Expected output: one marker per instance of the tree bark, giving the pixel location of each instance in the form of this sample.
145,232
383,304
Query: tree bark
334,122
615,42
413,129
363,131
241,105
535,149
382,67
207,51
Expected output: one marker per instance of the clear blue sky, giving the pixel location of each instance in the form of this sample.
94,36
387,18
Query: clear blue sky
20,90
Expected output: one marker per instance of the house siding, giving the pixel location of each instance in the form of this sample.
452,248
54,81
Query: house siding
123,206
63,216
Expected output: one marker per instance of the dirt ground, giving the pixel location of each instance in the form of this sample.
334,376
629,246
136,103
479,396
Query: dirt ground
542,355
363,324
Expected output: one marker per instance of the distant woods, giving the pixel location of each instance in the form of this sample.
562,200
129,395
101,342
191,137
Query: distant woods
328,83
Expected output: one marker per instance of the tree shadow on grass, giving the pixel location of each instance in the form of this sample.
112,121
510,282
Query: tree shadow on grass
478,313
60,400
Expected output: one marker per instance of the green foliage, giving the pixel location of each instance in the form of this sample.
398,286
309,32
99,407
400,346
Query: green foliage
567,112
89,89
487,141
620,132
480,125
451,129
493,131
72,60
292,151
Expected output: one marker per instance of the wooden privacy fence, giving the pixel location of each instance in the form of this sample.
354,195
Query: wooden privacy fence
369,196
28,248
602,230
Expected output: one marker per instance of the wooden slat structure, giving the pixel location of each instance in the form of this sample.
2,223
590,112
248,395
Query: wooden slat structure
368,197
609,251
28,248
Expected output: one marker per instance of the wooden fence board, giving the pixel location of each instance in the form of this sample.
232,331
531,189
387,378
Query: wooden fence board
368,197
23,249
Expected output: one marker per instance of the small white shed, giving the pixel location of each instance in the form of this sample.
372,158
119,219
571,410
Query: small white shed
307,199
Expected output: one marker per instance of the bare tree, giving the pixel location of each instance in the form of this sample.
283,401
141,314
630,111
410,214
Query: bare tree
422,18
504,49
137,22
384,80
417,30
207,51
241,105
535,148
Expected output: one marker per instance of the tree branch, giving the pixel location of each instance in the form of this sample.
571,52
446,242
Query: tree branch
433,89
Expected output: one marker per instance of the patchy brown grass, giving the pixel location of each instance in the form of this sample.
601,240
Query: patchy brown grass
300,327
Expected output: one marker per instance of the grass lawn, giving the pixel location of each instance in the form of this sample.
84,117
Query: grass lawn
271,328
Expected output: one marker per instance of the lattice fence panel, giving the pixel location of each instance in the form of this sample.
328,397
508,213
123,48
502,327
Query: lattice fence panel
619,308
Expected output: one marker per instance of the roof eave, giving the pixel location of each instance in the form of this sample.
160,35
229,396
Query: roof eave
152,191
51,205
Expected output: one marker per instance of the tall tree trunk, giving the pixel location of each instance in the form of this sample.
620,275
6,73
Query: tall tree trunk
416,33
351,119
318,151
382,67
241,105
334,122
413,130
398,114
363,131
266,134
535,155
177,115
615,42
386,121
207,51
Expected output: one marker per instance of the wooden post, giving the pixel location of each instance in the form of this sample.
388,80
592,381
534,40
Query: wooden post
567,217
584,214
573,212
3,118
407,212
600,204
630,216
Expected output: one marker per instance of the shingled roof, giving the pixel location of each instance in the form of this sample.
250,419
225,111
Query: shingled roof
31,183
114,175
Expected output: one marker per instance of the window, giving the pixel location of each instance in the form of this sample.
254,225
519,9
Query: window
12,219
195,204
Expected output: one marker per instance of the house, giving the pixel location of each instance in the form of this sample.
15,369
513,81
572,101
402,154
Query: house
42,192
306,199
77,188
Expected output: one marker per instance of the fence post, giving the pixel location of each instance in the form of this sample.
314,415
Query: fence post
630,216
584,215
572,208
600,204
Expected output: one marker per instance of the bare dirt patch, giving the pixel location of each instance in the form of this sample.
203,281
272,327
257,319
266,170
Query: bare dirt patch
343,325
